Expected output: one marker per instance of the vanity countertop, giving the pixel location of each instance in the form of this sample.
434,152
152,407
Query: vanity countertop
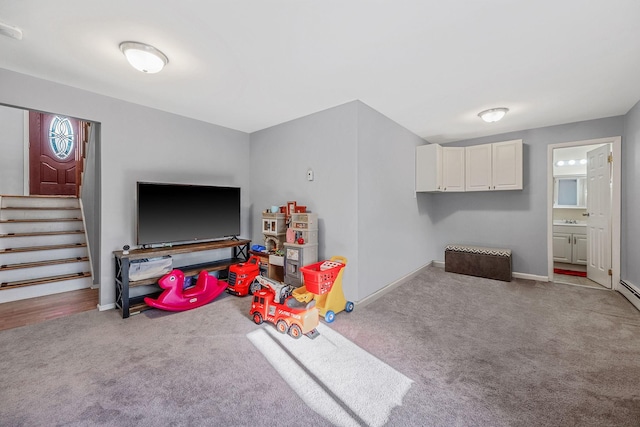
561,227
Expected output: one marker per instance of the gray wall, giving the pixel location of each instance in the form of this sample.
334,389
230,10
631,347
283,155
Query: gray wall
513,219
363,190
90,192
137,143
327,143
631,197
394,231
12,122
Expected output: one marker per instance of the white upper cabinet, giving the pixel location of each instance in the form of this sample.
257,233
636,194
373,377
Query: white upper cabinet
429,167
507,165
453,168
485,167
478,171
439,168
496,166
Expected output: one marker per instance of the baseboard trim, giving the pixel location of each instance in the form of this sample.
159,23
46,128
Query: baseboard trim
527,276
439,264
106,307
630,292
391,286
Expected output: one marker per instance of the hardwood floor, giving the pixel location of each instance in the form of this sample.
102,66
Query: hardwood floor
41,309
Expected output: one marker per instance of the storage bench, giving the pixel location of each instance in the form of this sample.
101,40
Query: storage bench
491,263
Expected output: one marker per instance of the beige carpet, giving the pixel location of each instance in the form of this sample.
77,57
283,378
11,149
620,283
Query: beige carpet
479,352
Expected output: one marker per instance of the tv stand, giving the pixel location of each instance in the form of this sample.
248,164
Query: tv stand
133,305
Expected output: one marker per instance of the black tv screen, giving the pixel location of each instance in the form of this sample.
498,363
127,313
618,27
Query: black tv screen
169,213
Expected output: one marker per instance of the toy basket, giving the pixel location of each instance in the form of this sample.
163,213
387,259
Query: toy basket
319,277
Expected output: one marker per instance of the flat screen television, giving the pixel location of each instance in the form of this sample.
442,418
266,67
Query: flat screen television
172,213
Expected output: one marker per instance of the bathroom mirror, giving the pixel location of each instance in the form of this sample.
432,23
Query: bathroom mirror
570,192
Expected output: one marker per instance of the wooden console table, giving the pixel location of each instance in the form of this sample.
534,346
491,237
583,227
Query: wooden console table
133,305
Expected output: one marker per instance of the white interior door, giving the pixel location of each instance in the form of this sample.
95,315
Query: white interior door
599,219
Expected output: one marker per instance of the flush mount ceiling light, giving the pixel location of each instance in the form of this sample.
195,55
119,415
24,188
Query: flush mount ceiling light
10,31
144,57
493,115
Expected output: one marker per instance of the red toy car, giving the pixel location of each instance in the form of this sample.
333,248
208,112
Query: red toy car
242,275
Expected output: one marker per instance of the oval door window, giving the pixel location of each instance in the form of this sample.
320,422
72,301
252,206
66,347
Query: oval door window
61,137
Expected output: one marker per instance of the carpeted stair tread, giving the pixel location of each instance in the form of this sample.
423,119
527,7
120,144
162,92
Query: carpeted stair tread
42,208
42,233
43,280
42,263
42,248
9,221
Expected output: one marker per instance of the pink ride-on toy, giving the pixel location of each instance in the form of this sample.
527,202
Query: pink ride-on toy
174,298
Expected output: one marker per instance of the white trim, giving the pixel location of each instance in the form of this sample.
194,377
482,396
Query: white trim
515,275
615,142
633,299
438,264
86,239
527,276
26,157
374,296
106,307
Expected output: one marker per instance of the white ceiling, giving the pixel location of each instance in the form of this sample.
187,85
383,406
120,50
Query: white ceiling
429,65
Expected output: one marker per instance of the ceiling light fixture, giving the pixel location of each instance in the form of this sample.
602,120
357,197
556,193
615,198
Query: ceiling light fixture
493,114
10,31
144,57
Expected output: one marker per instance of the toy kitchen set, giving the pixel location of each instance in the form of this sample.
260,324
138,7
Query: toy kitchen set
290,242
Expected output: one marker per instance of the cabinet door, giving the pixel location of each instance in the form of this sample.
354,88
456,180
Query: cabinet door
453,168
507,165
579,249
477,167
562,246
429,168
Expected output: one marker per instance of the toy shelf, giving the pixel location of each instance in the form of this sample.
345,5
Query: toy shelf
133,305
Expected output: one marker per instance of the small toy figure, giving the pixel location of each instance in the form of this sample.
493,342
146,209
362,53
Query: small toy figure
175,298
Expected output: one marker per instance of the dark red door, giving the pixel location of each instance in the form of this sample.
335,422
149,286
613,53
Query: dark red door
54,155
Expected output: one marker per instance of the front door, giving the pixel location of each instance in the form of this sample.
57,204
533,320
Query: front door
54,155
599,215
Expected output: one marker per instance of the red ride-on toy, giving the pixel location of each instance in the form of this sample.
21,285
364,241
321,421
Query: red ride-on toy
241,276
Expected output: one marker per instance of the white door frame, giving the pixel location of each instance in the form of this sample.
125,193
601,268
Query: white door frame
615,142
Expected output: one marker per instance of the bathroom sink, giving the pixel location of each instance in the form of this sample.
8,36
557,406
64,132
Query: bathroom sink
576,224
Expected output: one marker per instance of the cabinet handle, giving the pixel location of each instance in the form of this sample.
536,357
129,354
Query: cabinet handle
575,240
569,240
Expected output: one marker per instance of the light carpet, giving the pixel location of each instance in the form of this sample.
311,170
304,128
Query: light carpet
335,377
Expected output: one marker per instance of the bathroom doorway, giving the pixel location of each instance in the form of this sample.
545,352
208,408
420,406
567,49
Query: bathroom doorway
584,213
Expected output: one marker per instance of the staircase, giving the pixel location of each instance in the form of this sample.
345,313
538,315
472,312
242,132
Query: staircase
43,247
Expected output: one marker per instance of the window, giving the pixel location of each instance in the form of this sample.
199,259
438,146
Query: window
61,137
